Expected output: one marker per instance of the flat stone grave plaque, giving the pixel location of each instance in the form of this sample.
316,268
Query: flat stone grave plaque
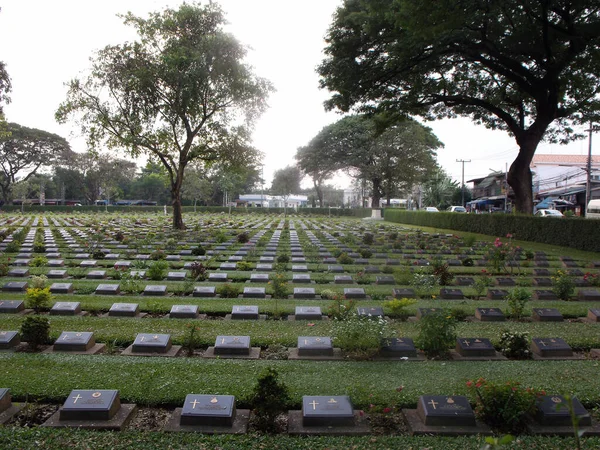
266,259
327,411
576,273
544,294
497,294
244,312
306,293
11,306
343,279
335,269
269,253
108,289
217,277
175,276
314,346
8,340
403,347
61,288
543,282
56,274
591,295
440,410
404,293
151,343
265,267
113,256
454,262
65,309
464,281
235,258
259,278
155,289
18,273
72,341
594,315
375,312
475,347
232,345
501,281
96,275
553,411
541,272
298,259
55,263
329,260
173,258
308,313
124,310
205,291
547,315
211,410
122,265
299,268
451,294
228,266
551,347
358,293
88,263
254,292
91,405
489,314
570,264
15,286
421,312
392,262
142,257
372,269
22,262
385,280
184,312
301,278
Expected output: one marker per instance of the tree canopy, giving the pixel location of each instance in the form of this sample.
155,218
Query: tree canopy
530,67
24,150
180,93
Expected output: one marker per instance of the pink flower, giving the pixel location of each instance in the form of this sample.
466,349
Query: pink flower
371,406
469,383
497,243
361,413
399,388
509,236
310,324
387,410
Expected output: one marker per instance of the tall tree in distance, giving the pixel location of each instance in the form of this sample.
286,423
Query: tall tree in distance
180,93
23,151
316,163
529,67
286,182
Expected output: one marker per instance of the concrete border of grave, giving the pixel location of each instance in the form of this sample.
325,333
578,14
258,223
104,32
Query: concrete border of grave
113,418
558,421
206,424
420,422
354,425
8,409
65,344
171,351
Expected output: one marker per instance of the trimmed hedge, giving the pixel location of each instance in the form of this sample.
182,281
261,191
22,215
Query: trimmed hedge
576,233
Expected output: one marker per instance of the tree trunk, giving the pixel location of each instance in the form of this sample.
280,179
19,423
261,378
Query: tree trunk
376,195
176,202
519,175
319,192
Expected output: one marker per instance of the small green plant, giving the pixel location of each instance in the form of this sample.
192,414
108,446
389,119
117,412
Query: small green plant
423,283
283,259
198,271
563,285
328,294
38,281
368,238
39,247
130,284
198,250
340,308
98,254
366,253
242,238
363,278
229,291
359,336
441,272
398,307
503,405
482,282
38,298
516,300
279,285
157,270
220,236
244,266
190,340
515,344
39,261
158,255
270,399
343,258
35,330
13,247
437,333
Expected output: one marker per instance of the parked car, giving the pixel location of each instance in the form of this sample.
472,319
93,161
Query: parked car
458,209
431,209
548,213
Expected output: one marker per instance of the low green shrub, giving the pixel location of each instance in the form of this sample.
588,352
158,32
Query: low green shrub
359,336
515,344
35,330
270,399
157,270
228,291
38,298
563,285
516,300
437,333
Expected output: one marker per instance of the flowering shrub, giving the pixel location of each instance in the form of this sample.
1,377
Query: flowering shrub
437,333
515,344
423,283
279,285
503,406
563,285
362,278
516,300
442,273
398,307
483,281
340,309
359,336
503,256
592,278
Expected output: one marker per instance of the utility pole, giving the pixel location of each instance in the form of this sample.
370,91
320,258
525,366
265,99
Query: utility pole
588,183
463,161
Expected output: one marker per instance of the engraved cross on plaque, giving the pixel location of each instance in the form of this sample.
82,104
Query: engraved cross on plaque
433,403
194,403
314,404
78,397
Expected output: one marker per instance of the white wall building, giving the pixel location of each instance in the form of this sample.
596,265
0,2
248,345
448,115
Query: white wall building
274,201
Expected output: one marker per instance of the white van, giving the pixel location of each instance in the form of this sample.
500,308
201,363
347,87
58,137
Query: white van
593,209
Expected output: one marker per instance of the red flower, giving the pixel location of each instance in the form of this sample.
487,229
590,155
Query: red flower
399,388
387,410
469,383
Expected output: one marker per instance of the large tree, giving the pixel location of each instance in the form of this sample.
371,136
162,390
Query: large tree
530,67
180,93
286,182
23,151
5,87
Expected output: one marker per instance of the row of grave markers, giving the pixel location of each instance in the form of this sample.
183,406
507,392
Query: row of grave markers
217,414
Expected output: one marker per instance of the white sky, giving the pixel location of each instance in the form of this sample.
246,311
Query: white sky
46,43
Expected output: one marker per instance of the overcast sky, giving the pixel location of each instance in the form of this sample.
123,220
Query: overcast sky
46,43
